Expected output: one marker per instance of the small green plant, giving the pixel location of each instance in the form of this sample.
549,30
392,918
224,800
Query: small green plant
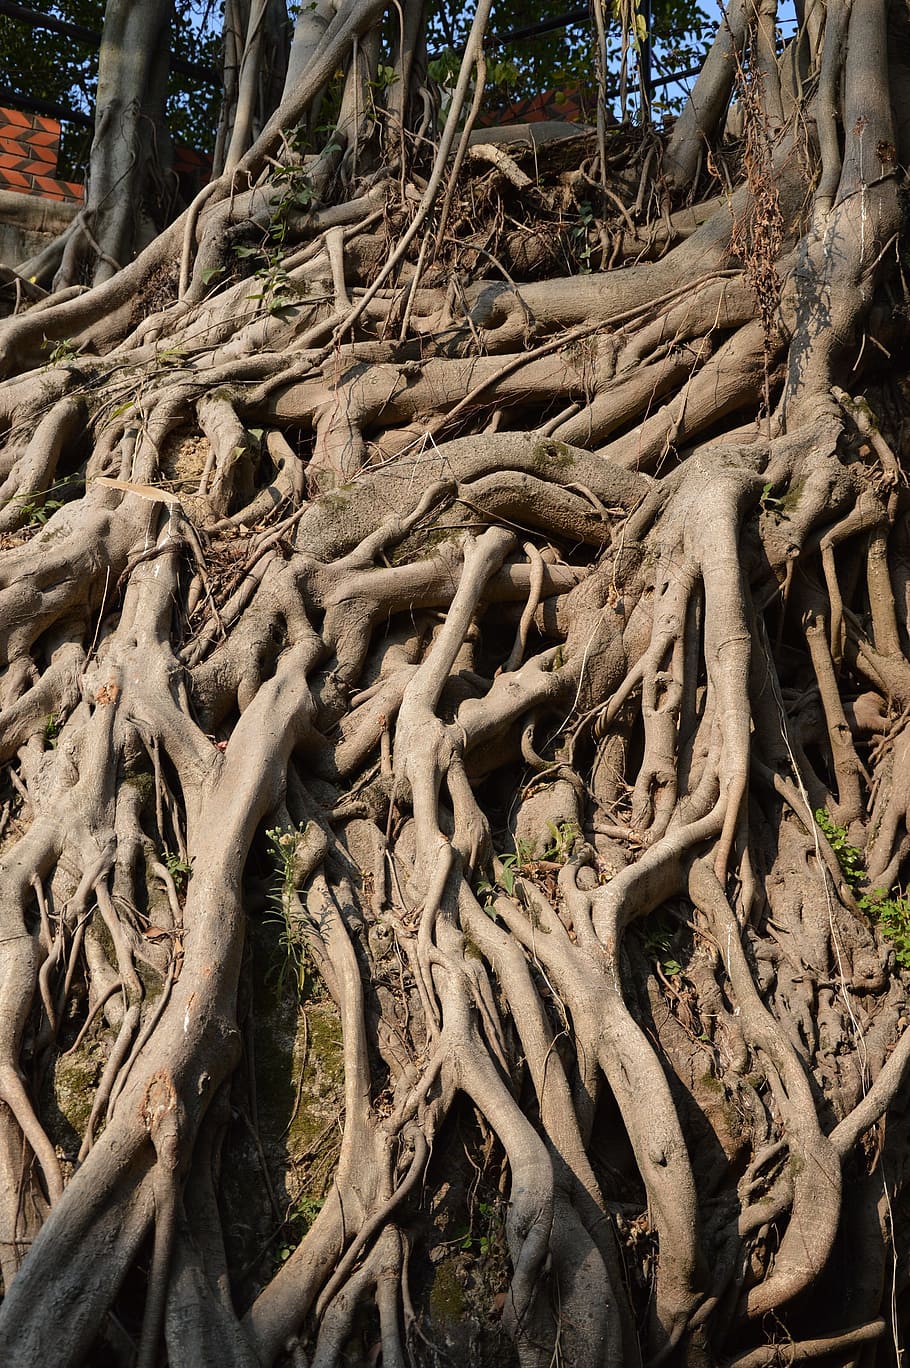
279,291
490,1227
180,870
297,194
511,866
514,864
444,70
769,501
581,237
37,514
503,74
52,725
891,911
893,916
386,76
564,835
659,946
62,352
295,959
299,1219
506,880
485,894
848,857
170,356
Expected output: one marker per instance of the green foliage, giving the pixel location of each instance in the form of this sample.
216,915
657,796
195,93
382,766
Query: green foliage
561,59
295,961
60,353
170,356
893,916
506,880
296,196
299,1219
279,291
38,505
521,861
37,63
180,870
510,866
581,238
890,910
659,945
37,514
386,76
192,104
486,1229
564,835
638,25
849,858
768,500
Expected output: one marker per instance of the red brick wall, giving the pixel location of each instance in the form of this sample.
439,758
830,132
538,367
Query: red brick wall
566,106
29,144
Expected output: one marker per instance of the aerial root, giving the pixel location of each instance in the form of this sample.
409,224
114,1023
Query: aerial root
588,985
801,1351
816,1181
162,1120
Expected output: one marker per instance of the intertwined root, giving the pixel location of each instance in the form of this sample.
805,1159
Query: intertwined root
634,700
545,714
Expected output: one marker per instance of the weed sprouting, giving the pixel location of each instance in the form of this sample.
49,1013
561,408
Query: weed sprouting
180,870
889,909
659,945
295,961
299,1219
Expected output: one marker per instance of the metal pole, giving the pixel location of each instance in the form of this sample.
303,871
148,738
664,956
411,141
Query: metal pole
646,72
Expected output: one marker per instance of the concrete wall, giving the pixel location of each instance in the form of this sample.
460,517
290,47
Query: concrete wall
28,223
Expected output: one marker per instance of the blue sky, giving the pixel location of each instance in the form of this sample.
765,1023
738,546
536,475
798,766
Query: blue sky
786,13
786,18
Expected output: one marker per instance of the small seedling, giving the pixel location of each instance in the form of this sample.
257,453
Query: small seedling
768,500
170,356
36,515
891,911
658,946
180,870
490,1222
295,961
584,248
60,353
564,835
386,76
279,291
299,1219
